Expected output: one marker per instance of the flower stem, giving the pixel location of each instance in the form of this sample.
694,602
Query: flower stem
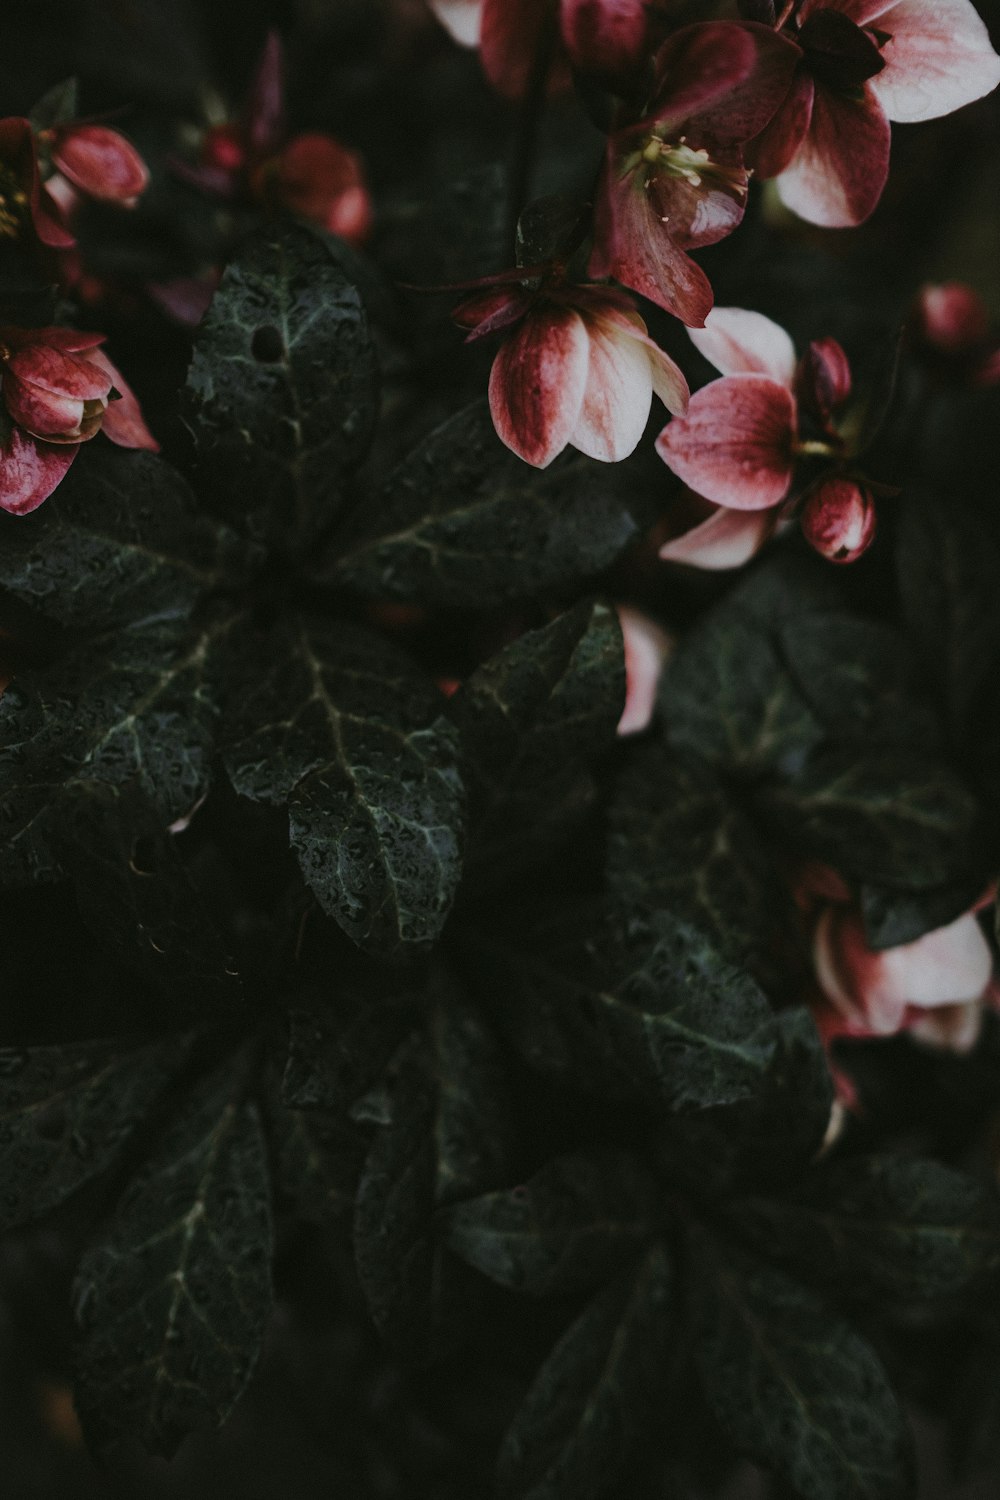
526,139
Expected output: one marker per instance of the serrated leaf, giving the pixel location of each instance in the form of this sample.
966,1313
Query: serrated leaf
66,1114
137,710
884,1228
679,842
567,1228
283,385
463,521
122,539
529,719
340,727
446,1138
793,1386
596,1395
895,817
173,1296
646,1011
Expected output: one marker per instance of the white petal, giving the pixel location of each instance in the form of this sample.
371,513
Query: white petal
740,342
939,59
618,396
461,17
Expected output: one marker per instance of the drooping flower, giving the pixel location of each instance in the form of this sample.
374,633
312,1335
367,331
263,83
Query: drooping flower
252,158
863,63
608,39
674,177
745,439
59,390
576,368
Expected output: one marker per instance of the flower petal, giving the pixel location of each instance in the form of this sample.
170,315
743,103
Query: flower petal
618,395
647,648
740,342
700,64
838,173
537,384
40,412
606,37
123,420
511,34
770,152
51,369
838,520
744,110
320,179
669,381
951,317
461,17
264,111
735,444
948,966
30,471
633,246
939,58
101,163
725,539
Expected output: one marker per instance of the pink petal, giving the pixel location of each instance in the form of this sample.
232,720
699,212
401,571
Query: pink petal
739,342
511,35
323,181
461,17
725,539
123,420
606,37
51,369
618,394
735,444
698,65
537,384
950,1028
838,520
952,317
19,156
949,966
100,162
633,246
744,110
849,974
647,648
939,59
491,311
42,413
824,378
770,152
264,112
30,471
69,340
839,171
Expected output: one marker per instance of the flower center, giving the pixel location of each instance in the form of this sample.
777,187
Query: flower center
13,205
678,159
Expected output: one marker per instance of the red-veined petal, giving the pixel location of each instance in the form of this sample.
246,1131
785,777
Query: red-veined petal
537,384
839,171
30,471
735,444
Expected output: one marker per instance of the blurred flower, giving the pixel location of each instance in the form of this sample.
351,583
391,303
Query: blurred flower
861,64
311,174
674,178
576,368
950,333
25,204
98,162
59,389
744,437
647,649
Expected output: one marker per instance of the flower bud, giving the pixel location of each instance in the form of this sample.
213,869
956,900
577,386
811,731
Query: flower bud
951,317
100,163
838,519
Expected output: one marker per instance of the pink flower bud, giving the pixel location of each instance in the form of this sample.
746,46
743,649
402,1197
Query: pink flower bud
951,317
100,163
838,519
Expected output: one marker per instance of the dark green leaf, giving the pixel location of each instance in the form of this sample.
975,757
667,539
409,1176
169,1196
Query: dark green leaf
643,1012
283,385
174,1297
894,917
463,521
445,1139
57,105
338,725
136,711
881,1227
679,842
529,719
67,1112
793,1386
318,1159
121,539
337,1051
597,1394
566,1228
894,817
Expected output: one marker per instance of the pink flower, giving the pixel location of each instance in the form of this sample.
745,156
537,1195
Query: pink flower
98,162
950,329
647,649
609,39
576,368
862,64
674,178
58,390
744,437
311,175
908,988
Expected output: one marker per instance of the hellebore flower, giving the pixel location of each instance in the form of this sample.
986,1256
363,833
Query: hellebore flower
311,174
744,436
863,63
576,368
647,649
58,390
607,39
950,333
674,178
